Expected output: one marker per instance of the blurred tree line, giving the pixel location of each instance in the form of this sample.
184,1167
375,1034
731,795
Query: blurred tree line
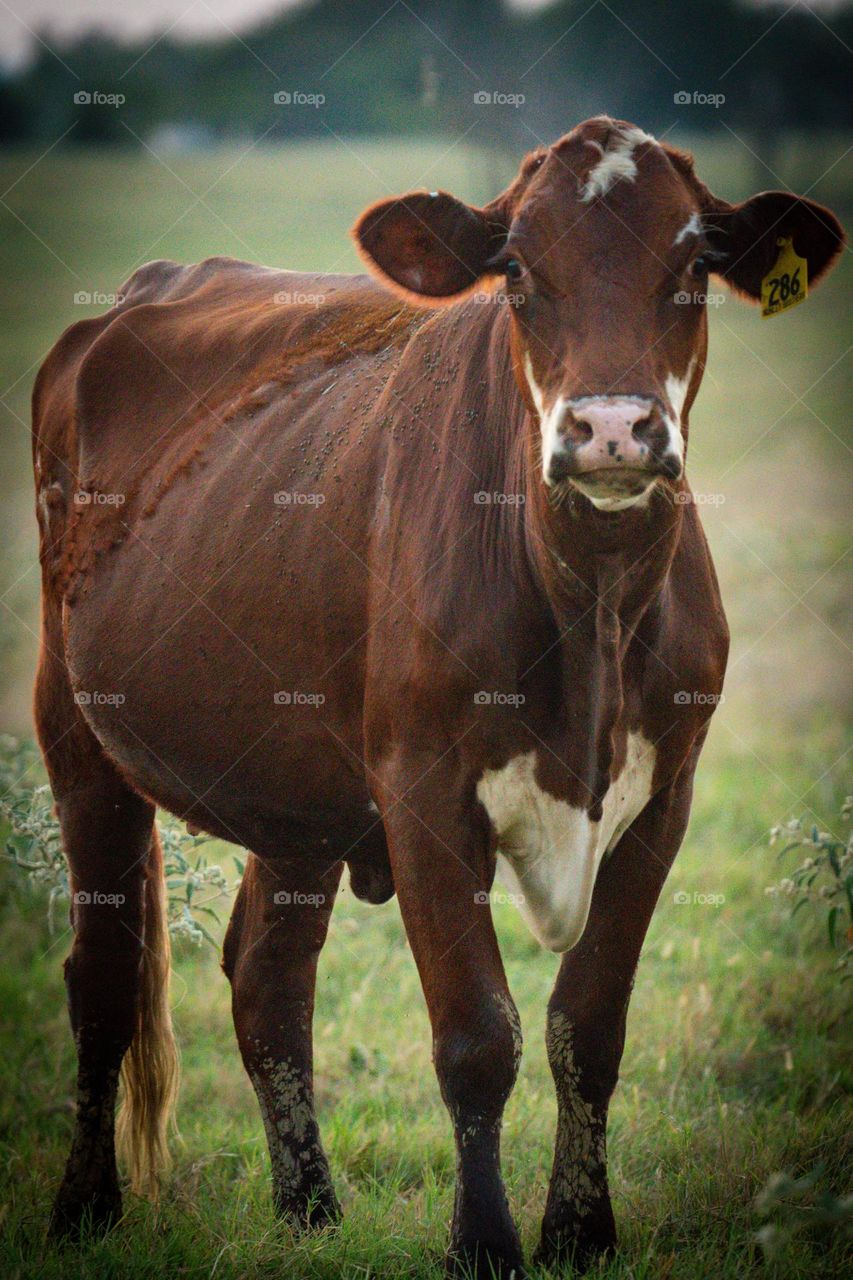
428,66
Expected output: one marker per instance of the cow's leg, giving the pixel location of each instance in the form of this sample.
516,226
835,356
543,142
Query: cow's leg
586,1027
273,943
439,846
107,835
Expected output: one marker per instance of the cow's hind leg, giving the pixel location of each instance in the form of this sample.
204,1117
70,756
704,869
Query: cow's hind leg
586,1028
115,997
272,947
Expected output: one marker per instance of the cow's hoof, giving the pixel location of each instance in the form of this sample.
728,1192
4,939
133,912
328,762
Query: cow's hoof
481,1262
574,1253
575,1242
75,1213
310,1211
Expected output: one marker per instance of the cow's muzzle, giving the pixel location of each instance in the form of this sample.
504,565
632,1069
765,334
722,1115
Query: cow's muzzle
611,444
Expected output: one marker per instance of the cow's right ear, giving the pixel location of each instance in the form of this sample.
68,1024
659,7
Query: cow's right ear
428,245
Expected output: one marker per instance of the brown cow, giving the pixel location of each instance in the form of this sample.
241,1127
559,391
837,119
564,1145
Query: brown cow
342,575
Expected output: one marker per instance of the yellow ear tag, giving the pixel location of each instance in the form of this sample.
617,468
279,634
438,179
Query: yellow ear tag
786,283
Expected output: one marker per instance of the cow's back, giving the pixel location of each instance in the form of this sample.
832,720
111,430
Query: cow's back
128,401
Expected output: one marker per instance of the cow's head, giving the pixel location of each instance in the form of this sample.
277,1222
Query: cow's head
605,242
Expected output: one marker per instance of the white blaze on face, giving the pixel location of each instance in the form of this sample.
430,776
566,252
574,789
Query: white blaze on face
616,163
549,851
675,390
549,417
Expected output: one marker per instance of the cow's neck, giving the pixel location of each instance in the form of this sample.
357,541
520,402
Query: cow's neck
597,574
583,556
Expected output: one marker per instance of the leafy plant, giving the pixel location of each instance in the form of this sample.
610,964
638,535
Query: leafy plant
188,872
824,879
792,1205
33,844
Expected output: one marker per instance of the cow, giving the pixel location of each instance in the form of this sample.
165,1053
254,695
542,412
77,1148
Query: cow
397,571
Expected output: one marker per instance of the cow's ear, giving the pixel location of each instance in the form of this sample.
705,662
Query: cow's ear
746,237
428,245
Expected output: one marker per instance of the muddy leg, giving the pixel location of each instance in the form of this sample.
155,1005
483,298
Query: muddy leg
586,1028
271,951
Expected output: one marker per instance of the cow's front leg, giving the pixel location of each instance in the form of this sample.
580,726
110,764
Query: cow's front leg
439,846
586,1027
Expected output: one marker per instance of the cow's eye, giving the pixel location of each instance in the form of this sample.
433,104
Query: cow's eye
699,267
513,270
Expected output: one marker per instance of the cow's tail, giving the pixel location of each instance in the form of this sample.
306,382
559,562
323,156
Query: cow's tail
151,1068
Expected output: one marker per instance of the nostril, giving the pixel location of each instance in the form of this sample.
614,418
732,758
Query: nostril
583,429
641,428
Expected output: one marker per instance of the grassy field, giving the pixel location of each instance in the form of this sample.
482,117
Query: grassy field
738,1062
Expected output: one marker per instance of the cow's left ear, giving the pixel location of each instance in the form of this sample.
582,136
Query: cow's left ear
747,236
428,245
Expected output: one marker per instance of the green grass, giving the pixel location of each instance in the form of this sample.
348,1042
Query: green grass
738,1059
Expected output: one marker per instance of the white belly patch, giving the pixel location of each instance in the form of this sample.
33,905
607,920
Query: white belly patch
549,851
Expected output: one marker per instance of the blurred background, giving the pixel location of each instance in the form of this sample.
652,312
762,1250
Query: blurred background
260,130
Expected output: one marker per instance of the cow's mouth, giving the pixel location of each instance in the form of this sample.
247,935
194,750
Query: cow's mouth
619,484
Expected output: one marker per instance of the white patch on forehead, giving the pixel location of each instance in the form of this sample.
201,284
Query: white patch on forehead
616,163
692,227
676,390
549,851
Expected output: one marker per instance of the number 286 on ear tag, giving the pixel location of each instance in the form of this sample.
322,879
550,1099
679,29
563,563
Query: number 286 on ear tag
786,283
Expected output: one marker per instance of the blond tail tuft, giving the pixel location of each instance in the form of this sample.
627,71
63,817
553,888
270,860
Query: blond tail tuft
150,1071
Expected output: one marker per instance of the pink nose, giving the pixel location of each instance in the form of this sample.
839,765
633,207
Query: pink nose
609,431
